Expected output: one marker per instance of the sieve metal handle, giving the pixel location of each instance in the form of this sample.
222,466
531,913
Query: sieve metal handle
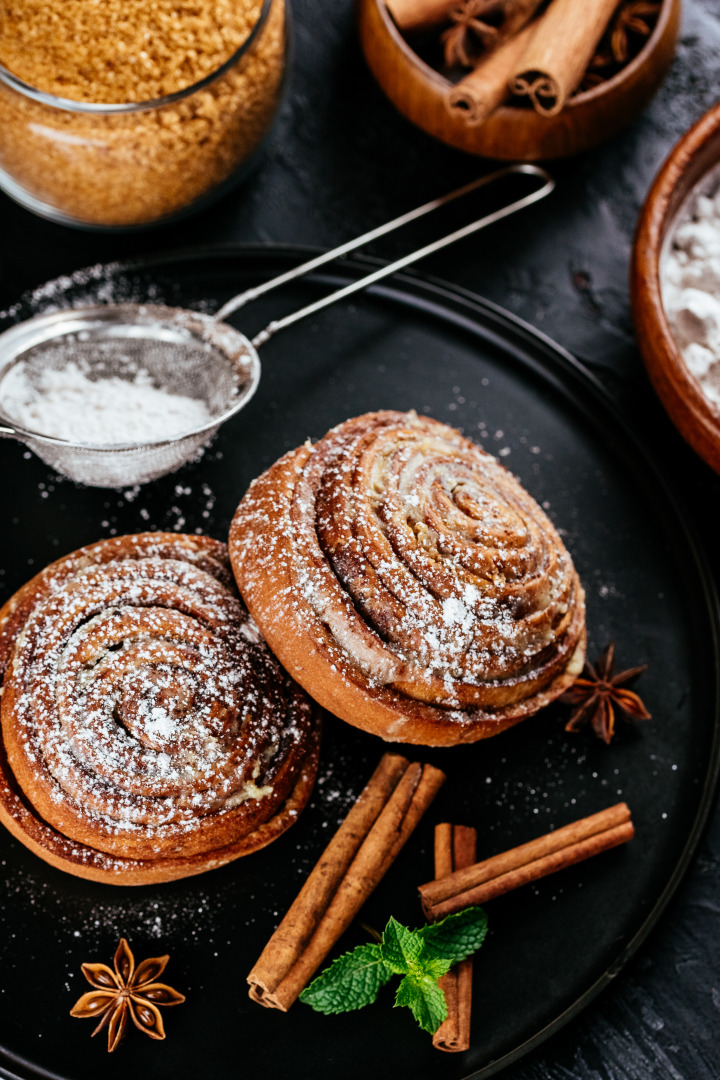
8,433
272,328
382,230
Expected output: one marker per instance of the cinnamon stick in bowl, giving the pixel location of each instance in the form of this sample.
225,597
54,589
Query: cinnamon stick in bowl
354,862
481,91
559,52
502,873
412,15
503,18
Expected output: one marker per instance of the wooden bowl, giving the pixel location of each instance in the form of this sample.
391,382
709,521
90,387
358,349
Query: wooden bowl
514,133
693,415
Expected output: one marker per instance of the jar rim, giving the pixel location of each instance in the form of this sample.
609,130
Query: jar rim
106,109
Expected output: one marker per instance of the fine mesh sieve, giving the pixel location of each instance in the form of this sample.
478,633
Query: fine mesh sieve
184,353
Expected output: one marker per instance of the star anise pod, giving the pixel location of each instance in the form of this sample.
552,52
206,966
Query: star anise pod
598,71
469,32
637,17
598,692
603,58
591,79
128,992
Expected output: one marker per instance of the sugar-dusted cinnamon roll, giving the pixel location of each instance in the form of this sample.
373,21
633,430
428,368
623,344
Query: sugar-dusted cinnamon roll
148,732
409,582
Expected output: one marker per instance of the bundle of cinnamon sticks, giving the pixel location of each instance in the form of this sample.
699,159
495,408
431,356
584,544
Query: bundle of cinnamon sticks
547,854
460,882
528,49
363,849
354,862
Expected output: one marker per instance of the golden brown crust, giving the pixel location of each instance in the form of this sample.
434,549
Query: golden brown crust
87,862
409,582
148,732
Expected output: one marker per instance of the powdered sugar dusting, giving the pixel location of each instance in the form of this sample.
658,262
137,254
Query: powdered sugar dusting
145,704
435,573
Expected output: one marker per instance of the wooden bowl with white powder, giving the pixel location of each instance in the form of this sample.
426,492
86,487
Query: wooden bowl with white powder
675,286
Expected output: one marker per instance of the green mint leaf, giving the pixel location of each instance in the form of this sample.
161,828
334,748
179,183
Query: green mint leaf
435,966
401,948
425,999
456,936
351,981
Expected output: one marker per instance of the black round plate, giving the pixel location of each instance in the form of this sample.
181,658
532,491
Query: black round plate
410,344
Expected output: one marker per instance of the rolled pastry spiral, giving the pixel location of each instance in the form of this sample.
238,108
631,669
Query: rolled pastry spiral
408,581
148,732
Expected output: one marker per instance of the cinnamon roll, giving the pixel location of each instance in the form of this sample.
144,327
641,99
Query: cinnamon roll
408,581
148,732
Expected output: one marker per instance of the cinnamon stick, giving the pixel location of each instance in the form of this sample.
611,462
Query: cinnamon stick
410,15
479,93
504,17
502,873
559,52
455,849
353,863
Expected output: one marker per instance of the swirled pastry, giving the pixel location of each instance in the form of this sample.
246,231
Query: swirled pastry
408,581
148,732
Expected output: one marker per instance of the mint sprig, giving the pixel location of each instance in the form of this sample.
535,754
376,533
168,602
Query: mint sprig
457,936
400,948
425,999
351,982
420,956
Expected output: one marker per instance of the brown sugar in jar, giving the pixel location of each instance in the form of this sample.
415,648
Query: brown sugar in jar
129,112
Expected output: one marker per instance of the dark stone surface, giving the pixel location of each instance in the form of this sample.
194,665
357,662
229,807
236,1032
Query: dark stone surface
341,161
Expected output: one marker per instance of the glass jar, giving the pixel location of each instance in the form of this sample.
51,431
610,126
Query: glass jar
130,165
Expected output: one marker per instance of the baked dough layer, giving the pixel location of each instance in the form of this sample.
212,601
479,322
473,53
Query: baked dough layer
409,582
148,732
